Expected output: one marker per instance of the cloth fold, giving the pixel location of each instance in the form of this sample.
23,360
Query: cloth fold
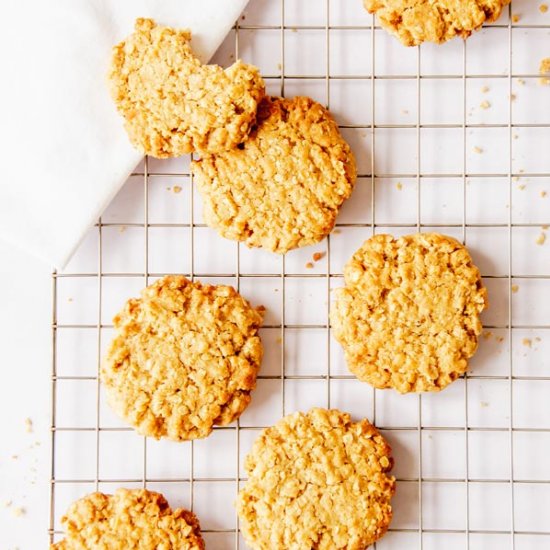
64,153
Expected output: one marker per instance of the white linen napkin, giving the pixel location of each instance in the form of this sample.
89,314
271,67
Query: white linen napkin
63,151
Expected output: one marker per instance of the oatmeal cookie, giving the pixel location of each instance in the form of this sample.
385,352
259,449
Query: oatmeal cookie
408,316
417,21
282,188
128,519
185,357
173,104
317,480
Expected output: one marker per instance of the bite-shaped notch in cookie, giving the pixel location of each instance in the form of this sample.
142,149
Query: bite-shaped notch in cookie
317,480
282,188
184,358
173,104
408,316
417,21
129,519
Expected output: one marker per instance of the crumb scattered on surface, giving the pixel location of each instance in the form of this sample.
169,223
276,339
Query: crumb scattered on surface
541,239
279,340
176,189
309,265
6,503
521,82
527,342
484,89
318,256
28,425
537,339
69,299
18,511
513,97
279,67
14,457
544,71
399,185
516,136
543,194
515,288
405,111
478,150
485,104
543,8
500,339
483,404
487,335
544,227
337,231
516,18
122,229
521,187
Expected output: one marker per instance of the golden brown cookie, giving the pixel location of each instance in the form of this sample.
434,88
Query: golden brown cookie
281,189
417,21
172,103
185,357
317,480
408,317
128,519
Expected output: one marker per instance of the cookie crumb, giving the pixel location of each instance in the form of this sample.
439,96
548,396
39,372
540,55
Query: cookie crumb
487,335
521,82
513,97
521,187
176,189
478,150
279,340
279,67
405,111
544,71
399,186
18,511
541,239
485,104
28,425
14,457
527,342
69,299
543,194
337,231
515,288
318,256
516,18
544,227
6,503
483,404
309,265
516,136
500,339
122,229
537,339
484,89
543,8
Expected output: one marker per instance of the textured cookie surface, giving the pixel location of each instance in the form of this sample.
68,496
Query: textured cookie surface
129,519
317,480
281,189
184,358
172,103
408,316
417,21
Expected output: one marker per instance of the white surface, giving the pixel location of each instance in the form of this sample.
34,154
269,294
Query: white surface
63,148
308,351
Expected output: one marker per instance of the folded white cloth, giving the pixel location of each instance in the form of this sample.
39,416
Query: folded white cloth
63,151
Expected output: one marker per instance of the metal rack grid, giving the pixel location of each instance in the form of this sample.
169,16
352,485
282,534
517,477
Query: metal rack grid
421,535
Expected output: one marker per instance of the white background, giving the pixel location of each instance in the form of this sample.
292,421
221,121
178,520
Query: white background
450,505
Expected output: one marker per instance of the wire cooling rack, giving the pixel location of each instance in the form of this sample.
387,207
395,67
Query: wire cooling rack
453,138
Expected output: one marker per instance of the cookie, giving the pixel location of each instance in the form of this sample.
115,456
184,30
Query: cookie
317,480
417,21
408,316
173,104
281,189
184,358
128,519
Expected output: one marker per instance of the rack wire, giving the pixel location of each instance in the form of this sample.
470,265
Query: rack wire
430,497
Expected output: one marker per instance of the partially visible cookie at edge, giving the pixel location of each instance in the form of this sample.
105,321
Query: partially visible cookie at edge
317,480
408,315
184,358
172,104
129,519
417,21
282,188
